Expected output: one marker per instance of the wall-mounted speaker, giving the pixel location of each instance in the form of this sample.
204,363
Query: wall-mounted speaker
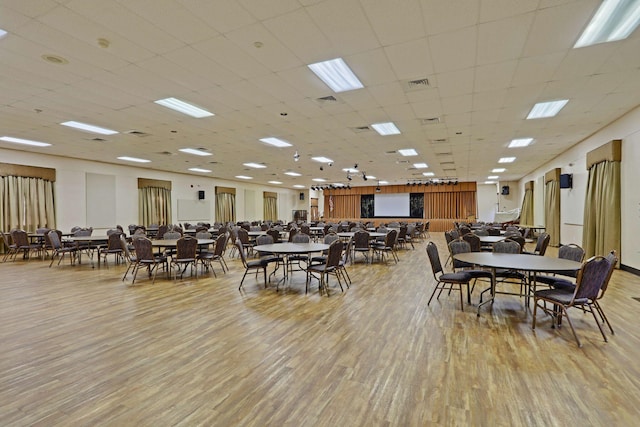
301,196
201,195
505,190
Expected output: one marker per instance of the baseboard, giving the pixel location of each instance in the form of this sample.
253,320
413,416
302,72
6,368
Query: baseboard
630,269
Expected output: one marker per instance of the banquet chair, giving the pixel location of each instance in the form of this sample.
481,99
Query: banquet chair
502,275
21,240
541,245
591,277
10,247
129,257
327,240
331,266
268,257
446,280
299,258
570,252
59,250
342,265
146,258
186,256
361,245
250,265
388,246
460,246
114,247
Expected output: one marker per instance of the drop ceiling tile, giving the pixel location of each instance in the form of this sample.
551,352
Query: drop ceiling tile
494,76
395,22
410,60
455,50
494,47
445,16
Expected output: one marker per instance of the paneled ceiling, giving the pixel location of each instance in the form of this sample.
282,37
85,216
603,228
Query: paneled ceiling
487,63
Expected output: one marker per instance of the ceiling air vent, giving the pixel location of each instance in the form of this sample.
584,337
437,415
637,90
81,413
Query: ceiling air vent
98,139
417,84
136,133
360,129
327,100
166,153
390,152
439,141
430,121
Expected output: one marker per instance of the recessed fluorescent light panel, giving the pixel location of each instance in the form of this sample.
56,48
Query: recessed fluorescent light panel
371,177
498,170
388,128
255,165
292,174
243,177
134,159
298,186
199,170
337,75
195,151
319,180
408,152
384,182
2,33
506,160
489,182
89,128
546,109
275,182
322,159
493,177
521,142
420,165
614,20
276,142
184,107
24,141
350,170
428,173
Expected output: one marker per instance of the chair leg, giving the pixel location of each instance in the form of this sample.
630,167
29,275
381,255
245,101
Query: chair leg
571,325
603,316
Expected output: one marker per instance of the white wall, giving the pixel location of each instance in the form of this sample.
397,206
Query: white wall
70,190
487,197
574,160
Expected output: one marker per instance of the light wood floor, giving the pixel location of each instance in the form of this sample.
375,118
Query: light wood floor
81,347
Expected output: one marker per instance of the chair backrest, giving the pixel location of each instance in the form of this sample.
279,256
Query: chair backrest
125,248
186,247
434,259
143,249
456,247
83,232
301,238
54,239
591,277
264,239
493,231
330,238
391,238
305,229
507,247
402,232
112,231
473,240
203,235
542,243
114,241
240,248
161,231
612,257
518,239
243,235
347,251
571,252
221,244
512,228
361,240
275,234
464,230
292,233
481,232
334,254
172,235
20,238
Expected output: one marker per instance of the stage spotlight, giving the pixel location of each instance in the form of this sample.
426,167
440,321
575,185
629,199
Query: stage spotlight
355,166
296,157
349,177
364,176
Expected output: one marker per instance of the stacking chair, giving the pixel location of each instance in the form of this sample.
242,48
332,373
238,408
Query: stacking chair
342,265
59,250
571,252
404,237
591,278
250,265
186,255
10,247
275,234
361,245
21,240
541,245
243,235
146,258
128,256
331,266
299,258
114,247
460,246
502,275
268,257
446,280
473,241
327,240
388,246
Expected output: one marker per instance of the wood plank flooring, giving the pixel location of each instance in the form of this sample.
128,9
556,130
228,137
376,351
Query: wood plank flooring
81,347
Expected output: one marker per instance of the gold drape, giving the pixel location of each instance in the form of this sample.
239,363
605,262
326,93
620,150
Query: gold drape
270,207
27,203
452,205
344,206
552,211
526,213
225,207
154,205
602,210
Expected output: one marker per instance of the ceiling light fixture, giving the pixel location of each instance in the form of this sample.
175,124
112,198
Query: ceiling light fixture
388,128
199,170
24,141
276,142
133,159
195,151
546,109
275,182
493,177
293,174
319,180
322,159
2,33
408,152
89,128
498,170
383,182
428,174
420,165
243,177
255,165
298,186
521,142
184,107
506,160
336,74
614,20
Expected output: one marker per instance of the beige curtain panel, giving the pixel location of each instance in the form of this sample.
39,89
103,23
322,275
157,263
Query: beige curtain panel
602,210
552,211
270,207
344,206
526,213
154,205
27,203
225,207
453,205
